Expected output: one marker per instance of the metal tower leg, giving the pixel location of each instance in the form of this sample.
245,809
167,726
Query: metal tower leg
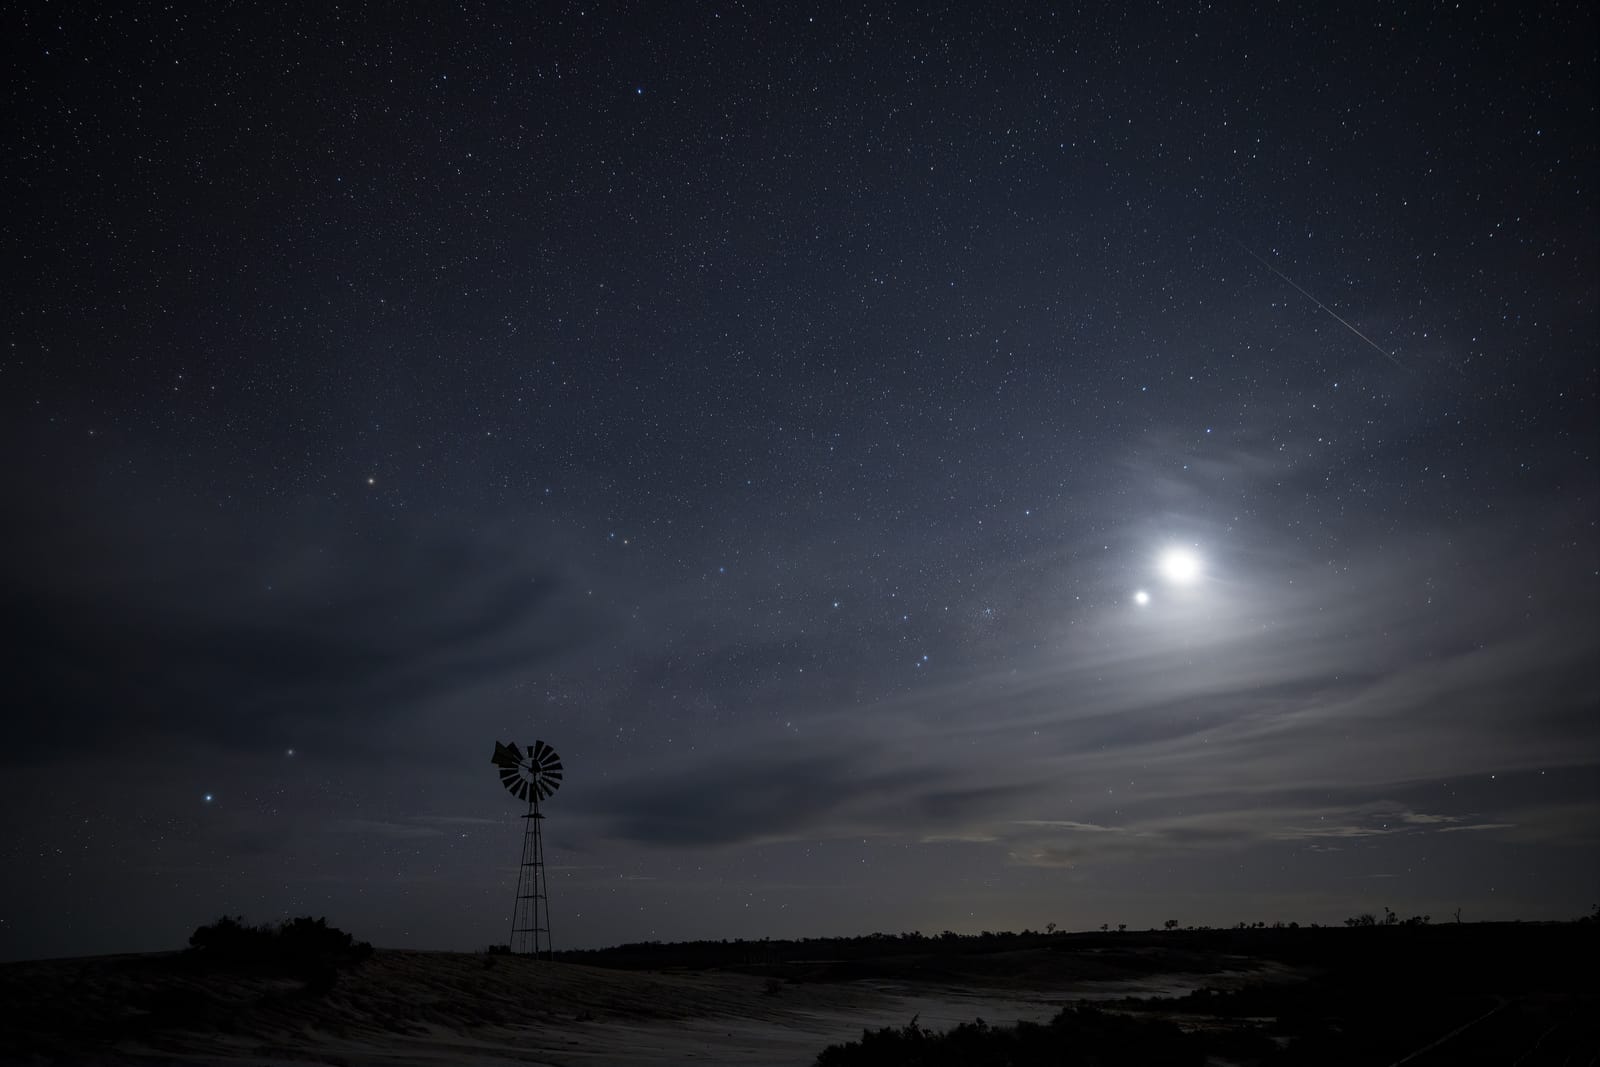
530,915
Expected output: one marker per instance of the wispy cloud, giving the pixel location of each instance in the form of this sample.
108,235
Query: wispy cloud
382,828
1066,843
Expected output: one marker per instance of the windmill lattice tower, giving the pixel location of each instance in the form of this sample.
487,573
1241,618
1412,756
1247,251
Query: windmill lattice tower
532,777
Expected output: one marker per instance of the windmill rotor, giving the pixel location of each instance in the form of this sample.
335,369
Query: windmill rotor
533,775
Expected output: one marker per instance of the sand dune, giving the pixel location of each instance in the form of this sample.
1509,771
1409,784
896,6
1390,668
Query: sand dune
432,1008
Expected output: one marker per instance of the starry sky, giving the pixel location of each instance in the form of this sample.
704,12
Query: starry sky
791,414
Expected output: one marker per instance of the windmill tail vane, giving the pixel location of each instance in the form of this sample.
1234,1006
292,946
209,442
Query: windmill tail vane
532,776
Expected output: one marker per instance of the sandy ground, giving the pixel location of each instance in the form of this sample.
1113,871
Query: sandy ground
434,1008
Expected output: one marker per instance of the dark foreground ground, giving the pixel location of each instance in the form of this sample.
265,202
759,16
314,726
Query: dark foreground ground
1512,993
1423,996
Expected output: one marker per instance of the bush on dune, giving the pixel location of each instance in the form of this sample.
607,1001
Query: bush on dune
304,946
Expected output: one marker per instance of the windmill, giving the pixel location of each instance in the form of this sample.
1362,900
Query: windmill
533,777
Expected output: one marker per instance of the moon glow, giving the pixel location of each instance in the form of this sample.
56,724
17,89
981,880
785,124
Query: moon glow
1179,565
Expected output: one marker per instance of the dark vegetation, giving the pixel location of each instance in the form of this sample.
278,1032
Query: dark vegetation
1082,1035
1028,959
304,948
990,957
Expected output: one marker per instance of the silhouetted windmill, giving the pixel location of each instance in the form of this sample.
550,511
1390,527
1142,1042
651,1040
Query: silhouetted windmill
532,777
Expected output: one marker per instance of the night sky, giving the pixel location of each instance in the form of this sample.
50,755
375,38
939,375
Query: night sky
922,468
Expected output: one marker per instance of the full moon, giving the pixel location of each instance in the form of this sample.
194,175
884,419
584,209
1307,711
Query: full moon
1141,598
1179,565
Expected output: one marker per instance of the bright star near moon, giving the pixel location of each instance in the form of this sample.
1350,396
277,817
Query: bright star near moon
1179,565
1141,598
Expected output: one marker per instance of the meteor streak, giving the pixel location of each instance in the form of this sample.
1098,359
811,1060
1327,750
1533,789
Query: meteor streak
1320,304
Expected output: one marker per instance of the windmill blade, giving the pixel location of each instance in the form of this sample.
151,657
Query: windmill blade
532,774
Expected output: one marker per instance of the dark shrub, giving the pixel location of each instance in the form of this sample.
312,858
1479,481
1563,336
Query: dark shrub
306,947
1077,1035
